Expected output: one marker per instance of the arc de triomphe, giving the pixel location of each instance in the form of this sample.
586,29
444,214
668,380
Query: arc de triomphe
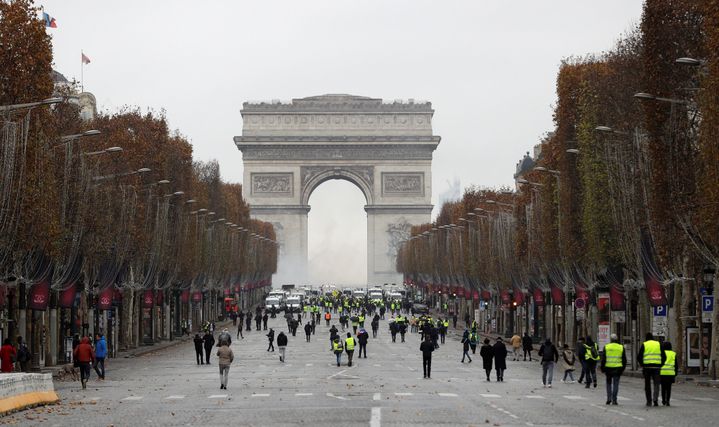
385,149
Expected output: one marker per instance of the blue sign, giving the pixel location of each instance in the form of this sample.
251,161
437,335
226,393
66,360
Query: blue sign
660,311
708,303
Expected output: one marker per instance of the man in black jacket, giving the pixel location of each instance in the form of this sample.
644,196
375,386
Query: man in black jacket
549,357
427,348
198,350
209,341
271,339
308,332
527,346
500,358
281,345
362,338
651,358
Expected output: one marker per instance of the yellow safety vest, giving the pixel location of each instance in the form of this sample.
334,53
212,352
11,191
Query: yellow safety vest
446,324
361,319
350,343
652,353
588,352
336,346
613,354
668,368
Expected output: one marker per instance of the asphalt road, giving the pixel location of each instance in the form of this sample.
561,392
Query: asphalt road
167,387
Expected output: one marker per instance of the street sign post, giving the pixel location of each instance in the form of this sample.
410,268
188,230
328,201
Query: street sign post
707,308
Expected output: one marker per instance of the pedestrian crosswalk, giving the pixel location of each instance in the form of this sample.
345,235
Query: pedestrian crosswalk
372,396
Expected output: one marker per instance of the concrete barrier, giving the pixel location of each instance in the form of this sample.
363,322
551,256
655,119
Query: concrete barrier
20,390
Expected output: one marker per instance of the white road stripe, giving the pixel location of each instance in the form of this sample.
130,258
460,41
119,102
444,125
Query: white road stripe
377,365
447,394
217,396
133,398
308,364
303,394
573,397
533,396
376,417
376,396
260,395
489,395
623,398
175,397
703,399
404,394
638,418
336,397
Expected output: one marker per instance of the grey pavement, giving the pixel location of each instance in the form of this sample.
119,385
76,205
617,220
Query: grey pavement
167,387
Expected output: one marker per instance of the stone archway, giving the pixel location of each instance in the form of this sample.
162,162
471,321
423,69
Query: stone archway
385,149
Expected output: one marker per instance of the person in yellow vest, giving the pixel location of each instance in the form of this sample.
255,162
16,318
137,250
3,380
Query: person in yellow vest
614,361
591,357
651,358
337,349
668,372
350,348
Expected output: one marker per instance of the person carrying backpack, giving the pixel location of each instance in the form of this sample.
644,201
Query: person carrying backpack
549,356
591,357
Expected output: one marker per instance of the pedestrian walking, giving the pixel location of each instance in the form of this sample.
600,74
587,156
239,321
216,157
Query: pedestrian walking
668,372
454,320
282,345
248,322
427,348
527,346
85,356
500,358
375,325
516,342
334,333
362,338
239,327
225,357
613,362
651,358
23,355
198,350
549,356
258,320
337,349
465,346
487,354
393,329
350,343
473,341
308,331
580,351
8,354
328,317
271,338
224,337
264,320
208,341
568,360
591,357
100,355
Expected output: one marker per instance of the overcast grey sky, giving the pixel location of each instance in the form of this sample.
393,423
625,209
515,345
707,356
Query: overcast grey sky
488,67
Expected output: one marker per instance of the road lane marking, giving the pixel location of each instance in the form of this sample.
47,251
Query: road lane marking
303,394
490,395
336,397
133,398
217,396
376,417
377,365
376,396
532,396
175,397
260,395
404,394
638,418
308,364
623,398
573,397
703,399
447,394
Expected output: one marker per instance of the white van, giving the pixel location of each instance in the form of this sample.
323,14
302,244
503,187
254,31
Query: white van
272,301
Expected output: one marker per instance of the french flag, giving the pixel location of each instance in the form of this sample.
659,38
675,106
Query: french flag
49,20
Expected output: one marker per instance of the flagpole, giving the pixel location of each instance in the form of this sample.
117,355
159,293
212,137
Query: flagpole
82,72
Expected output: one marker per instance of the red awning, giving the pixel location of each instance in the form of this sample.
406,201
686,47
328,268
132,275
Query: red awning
538,297
67,297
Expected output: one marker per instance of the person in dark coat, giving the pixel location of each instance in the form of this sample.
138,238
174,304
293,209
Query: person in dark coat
500,358
264,320
248,321
295,324
209,340
527,346
427,348
362,338
465,346
308,331
271,339
487,353
198,350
